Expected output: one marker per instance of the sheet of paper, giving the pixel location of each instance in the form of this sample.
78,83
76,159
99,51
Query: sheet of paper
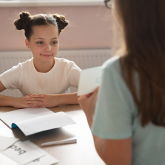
90,79
46,122
6,142
21,153
4,160
45,160
23,114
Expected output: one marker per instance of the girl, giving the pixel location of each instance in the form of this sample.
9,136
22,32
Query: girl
44,79
129,119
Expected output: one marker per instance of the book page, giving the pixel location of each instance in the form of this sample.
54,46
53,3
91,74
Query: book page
43,123
23,114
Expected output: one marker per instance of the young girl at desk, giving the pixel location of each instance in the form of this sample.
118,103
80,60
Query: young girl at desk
128,125
44,79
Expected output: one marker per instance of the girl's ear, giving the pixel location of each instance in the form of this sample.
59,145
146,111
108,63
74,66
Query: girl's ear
27,43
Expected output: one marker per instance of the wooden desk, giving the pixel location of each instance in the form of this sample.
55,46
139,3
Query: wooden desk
81,153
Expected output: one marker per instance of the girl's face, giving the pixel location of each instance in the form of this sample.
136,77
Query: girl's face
44,43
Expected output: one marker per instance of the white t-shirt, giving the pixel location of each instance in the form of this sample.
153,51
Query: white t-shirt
27,79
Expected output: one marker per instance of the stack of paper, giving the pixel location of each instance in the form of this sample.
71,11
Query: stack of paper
5,142
47,159
22,153
25,152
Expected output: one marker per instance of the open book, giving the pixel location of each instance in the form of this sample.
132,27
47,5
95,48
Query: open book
34,120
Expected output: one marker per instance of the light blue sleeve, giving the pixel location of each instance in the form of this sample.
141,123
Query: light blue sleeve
113,113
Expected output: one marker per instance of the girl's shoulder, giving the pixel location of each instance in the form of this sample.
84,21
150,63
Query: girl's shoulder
25,63
63,62
22,65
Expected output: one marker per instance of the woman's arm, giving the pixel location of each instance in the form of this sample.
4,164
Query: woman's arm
52,100
112,152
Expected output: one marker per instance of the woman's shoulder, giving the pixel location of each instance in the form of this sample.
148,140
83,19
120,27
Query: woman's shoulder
112,64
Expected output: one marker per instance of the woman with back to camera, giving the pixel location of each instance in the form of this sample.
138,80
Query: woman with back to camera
128,121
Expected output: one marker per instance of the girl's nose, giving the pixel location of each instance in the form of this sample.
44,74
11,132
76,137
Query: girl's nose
48,48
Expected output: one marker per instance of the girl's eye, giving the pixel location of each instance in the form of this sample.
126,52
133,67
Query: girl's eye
39,42
54,42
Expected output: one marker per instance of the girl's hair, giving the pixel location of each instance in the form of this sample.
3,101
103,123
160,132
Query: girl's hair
143,24
27,21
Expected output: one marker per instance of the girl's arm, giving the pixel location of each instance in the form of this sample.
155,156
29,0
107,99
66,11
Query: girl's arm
17,102
68,98
5,100
52,100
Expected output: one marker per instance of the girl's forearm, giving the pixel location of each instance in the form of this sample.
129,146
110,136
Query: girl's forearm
7,100
67,98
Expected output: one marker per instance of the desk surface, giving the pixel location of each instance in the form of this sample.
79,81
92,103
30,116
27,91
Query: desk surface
81,153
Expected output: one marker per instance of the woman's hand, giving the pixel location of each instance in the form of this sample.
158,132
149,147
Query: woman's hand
87,103
25,102
43,100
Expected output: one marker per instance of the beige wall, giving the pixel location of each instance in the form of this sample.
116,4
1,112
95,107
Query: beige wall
89,27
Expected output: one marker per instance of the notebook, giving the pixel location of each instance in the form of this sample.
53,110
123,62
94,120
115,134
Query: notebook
90,79
35,120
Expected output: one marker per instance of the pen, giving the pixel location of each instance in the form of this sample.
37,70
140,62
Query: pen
67,141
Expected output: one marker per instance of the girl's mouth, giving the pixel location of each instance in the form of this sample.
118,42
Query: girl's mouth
46,55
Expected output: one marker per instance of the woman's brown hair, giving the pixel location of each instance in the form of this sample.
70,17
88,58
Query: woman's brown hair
143,25
27,21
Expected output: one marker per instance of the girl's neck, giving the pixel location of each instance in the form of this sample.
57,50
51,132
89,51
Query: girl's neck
43,67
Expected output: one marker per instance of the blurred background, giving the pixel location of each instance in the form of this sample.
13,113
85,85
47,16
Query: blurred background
90,24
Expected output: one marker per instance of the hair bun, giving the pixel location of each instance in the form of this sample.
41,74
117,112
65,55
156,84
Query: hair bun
22,21
62,23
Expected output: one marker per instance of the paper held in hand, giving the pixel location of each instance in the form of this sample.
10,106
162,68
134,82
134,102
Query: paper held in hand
34,120
90,79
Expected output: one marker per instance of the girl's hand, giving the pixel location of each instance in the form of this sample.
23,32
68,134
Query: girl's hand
24,102
87,103
46,100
